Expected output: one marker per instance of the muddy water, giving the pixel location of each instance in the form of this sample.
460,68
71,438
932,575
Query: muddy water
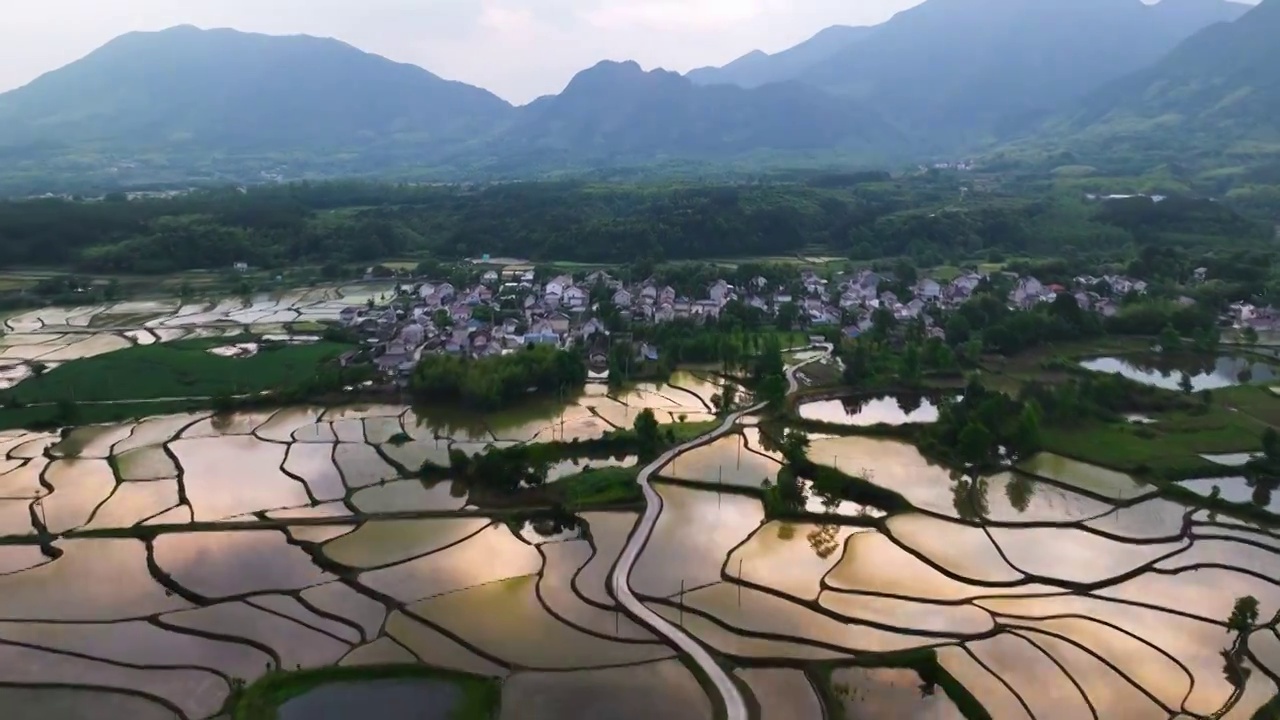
726,461
694,534
256,482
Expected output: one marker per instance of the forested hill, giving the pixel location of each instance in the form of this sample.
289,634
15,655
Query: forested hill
186,89
863,216
1214,100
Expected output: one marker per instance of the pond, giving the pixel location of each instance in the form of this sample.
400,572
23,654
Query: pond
1168,373
867,411
395,699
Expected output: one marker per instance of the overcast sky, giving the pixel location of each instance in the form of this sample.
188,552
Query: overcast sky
519,49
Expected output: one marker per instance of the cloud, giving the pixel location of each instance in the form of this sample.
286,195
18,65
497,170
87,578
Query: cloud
675,15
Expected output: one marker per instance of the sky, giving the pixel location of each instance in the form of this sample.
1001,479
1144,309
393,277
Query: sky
518,49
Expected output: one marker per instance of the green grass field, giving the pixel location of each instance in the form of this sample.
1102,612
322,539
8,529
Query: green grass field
601,487
1170,447
175,370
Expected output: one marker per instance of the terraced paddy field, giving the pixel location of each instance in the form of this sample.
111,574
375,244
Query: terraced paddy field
157,568
149,569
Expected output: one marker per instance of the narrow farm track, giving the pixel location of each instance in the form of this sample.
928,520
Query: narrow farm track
620,579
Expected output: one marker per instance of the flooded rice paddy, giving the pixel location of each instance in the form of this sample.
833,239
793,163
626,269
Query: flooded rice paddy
868,411
147,568
54,335
1169,373
297,538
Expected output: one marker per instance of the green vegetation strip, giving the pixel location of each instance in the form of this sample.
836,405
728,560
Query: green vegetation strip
52,416
604,487
176,370
481,697
1168,448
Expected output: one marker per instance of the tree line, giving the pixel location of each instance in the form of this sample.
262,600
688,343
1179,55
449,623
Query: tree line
353,222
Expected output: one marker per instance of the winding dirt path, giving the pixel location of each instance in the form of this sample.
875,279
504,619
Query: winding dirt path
620,578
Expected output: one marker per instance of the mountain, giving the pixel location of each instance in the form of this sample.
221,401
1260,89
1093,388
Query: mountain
972,69
617,112
224,91
760,68
1218,92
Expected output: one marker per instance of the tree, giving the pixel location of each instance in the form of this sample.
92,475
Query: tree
1244,615
795,446
1170,341
911,365
725,399
882,323
773,389
857,365
1185,384
1027,440
1249,335
975,444
788,316
648,434
1271,444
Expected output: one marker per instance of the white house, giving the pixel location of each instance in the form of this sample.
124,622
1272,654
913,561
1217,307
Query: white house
574,297
559,322
557,285
490,277
591,327
929,290
622,299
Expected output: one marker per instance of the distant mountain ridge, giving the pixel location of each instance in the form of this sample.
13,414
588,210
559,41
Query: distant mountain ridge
1217,92
947,77
760,68
619,111
239,91
317,101
976,69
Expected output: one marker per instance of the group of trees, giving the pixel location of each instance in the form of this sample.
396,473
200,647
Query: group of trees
351,222
769,372
490,383
972,430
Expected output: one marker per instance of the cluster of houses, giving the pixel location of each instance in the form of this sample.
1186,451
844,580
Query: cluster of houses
504,312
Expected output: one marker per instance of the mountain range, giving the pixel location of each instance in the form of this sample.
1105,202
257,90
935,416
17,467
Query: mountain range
944,78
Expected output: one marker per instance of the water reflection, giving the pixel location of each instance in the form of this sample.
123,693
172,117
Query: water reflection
1206,373
863,411
1258,492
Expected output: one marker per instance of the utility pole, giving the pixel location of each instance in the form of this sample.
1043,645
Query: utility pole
682,603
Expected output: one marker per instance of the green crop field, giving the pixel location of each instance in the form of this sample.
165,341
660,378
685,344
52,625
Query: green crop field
175,370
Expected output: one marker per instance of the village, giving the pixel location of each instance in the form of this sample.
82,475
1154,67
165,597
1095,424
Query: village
507,310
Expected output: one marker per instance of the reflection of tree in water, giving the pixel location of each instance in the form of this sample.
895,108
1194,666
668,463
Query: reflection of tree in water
823,541
1020,489
854,405
1263,484
969,497
910,403
553,523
